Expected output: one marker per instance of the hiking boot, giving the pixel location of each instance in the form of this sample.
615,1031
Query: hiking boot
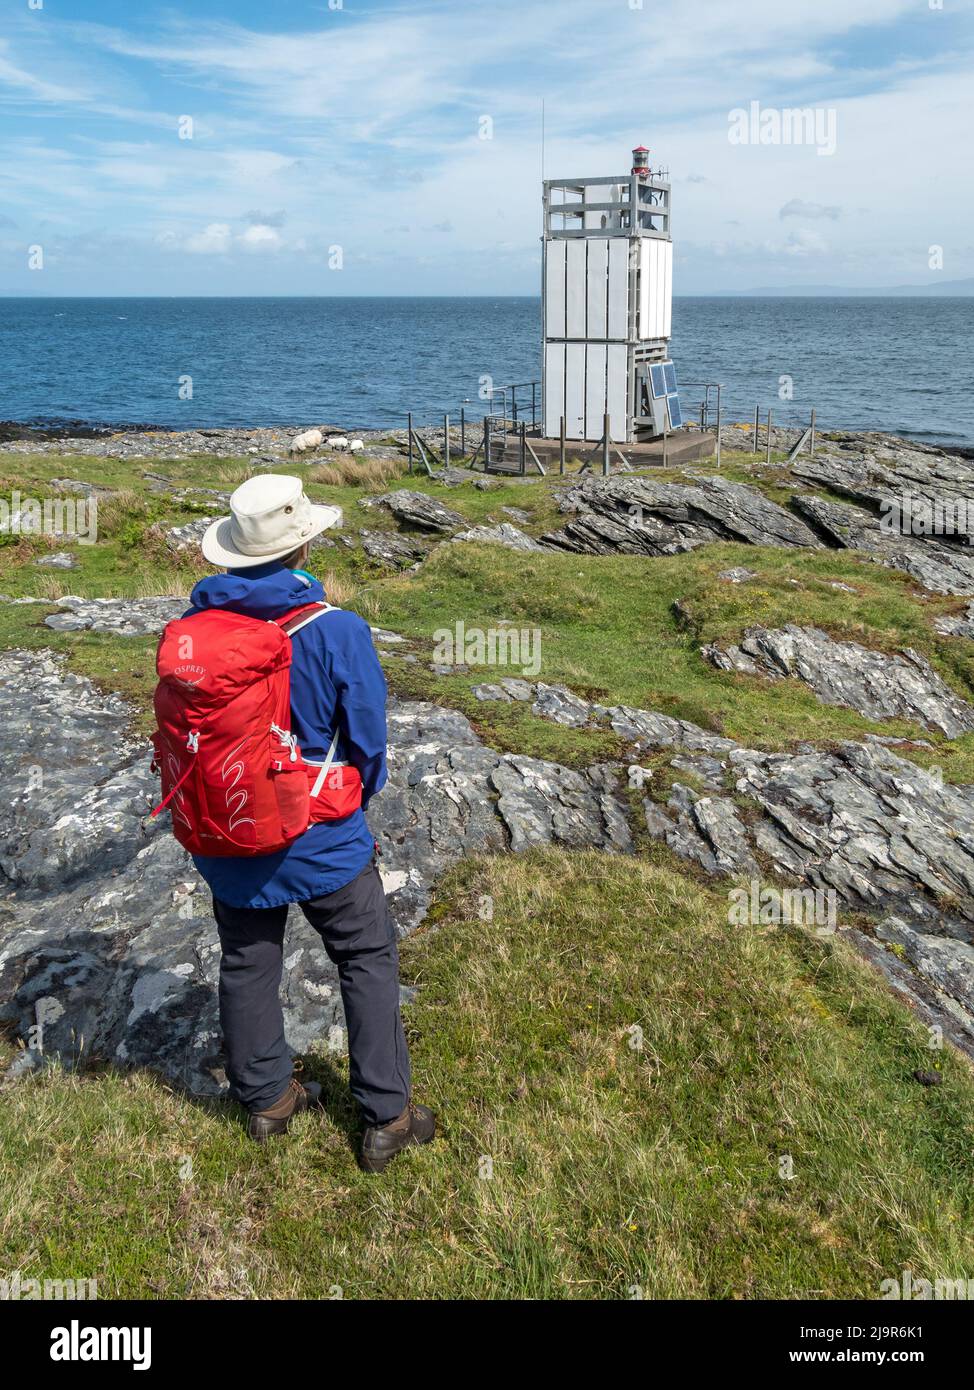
380,1143
298,1097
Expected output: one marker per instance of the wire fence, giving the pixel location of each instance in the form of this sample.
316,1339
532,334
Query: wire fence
511,410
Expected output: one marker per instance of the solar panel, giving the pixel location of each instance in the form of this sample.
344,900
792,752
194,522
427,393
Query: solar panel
658,378
669,372
676,414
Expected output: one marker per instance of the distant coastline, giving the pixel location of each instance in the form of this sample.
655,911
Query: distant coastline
949,289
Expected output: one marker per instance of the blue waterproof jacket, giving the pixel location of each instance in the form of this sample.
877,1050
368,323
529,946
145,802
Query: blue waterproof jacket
335,678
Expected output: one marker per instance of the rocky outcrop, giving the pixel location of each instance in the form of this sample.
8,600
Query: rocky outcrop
186,539
130,617
894,473
107,945
887,837
417,509
58,560
876,684
637,516
263,446
393,549
501,534
941,568
952,625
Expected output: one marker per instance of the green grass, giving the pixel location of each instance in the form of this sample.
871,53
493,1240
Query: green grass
579,1157
610,628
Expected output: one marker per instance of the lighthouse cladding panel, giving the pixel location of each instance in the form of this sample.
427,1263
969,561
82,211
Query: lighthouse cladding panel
575,289
597,290
586,322
655,288
618,287
554,326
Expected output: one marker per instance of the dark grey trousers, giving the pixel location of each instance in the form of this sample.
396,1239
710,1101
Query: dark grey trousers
357,932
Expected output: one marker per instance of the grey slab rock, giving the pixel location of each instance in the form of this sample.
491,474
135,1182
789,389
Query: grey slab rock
187,538
393,548
737,575
707,829
876,684
640,727
417,509
137,617
501,534
640,516
954,625
561,705
941,568
892,473
58,560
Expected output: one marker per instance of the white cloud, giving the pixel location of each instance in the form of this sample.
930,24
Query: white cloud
259,237
215,240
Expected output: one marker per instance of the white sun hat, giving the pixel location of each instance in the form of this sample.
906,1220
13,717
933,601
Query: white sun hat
269,518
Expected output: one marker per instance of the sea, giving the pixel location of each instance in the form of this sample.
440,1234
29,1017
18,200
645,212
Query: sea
903,365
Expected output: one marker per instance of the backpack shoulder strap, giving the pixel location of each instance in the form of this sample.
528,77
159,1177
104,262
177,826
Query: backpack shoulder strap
294,621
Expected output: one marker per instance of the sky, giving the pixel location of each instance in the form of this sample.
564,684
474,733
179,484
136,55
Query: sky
382,147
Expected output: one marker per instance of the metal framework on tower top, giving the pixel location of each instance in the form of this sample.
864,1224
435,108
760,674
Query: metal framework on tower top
627,205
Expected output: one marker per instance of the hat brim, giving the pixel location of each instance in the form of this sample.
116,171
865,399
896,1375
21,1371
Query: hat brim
217,543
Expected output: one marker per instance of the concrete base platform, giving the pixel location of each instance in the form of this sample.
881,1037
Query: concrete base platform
682,447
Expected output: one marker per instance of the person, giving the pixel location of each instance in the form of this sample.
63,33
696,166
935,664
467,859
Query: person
330,870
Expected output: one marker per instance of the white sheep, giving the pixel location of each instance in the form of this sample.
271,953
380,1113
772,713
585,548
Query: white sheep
337,441
310,439
355,446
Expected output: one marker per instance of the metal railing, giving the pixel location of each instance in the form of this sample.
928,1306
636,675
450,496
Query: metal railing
517,408
713,417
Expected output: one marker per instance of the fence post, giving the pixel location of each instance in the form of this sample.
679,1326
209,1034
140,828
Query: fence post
757,410
534,410
522,450
718,426
768,458
605,445
811,441
486,443
446,441
561,449
463,433
409,426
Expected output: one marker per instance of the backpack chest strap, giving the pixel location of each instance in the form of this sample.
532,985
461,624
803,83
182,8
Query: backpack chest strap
293,622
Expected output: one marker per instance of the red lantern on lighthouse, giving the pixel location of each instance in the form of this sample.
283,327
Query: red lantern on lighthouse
640,160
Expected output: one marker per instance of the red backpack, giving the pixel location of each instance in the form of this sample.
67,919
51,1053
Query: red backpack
233,776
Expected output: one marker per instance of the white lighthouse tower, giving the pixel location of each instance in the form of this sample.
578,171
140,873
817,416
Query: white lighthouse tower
607,296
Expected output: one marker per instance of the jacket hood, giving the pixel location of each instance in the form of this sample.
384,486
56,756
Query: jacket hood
264,591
